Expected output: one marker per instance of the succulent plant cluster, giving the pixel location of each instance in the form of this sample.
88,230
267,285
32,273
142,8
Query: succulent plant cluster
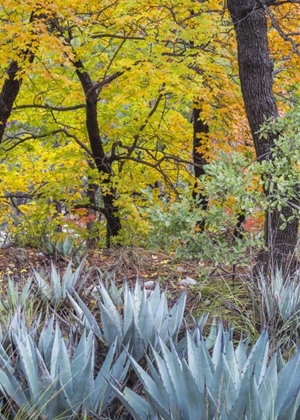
63,248
135,357
279,307
229,384
43,378
56,288
143,320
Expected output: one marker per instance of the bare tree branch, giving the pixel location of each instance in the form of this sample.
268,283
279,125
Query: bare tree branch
142,127
51,133
17,195
279,3
29,137
28,196
284,36
76,139
50,107
105,81
124,37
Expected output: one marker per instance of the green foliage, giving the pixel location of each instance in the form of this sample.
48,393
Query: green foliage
281,173
231,383
174,225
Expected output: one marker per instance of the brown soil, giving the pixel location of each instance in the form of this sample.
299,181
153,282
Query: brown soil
131,264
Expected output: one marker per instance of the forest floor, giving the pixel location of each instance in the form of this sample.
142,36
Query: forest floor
215,290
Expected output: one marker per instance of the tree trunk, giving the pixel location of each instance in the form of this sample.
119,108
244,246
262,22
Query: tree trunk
255,71
8,95
101,161
9,92
11,86
200,130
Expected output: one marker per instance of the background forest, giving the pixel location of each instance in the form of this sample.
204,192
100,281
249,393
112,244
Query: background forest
163,131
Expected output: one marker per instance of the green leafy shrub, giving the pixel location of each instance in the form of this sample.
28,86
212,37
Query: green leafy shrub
281,173
173,225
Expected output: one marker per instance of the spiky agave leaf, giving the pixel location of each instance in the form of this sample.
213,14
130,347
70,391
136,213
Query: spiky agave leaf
84,318
63,248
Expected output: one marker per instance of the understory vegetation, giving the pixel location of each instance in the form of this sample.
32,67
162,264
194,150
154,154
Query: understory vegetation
72,347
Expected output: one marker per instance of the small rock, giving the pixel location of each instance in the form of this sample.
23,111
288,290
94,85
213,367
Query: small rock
198,297
93,290
187,281
149,284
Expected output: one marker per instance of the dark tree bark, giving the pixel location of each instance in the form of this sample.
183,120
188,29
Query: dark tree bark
102,162
255,71
11,86
93,232
9,92
200,130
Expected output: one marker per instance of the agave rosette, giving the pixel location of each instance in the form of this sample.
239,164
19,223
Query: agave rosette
138,321
42,378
